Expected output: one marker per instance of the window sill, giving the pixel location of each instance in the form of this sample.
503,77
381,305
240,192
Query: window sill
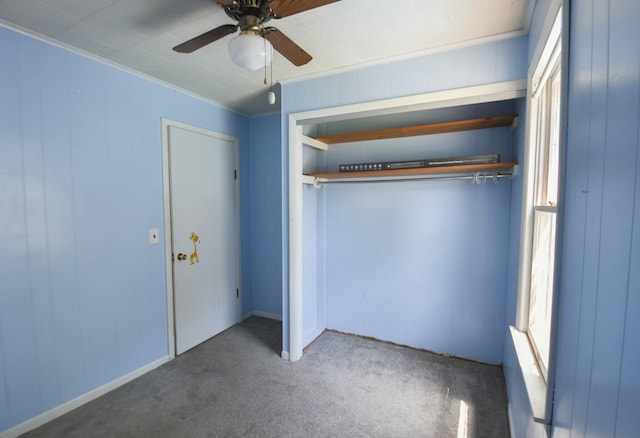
533,381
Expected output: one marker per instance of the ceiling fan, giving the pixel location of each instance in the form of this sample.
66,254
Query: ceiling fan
251,16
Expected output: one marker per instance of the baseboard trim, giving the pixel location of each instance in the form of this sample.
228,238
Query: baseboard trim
262,315
85,398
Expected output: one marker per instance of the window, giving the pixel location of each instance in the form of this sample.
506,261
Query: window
545,124
533,337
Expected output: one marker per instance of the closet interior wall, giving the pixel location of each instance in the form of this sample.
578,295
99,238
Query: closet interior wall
418,263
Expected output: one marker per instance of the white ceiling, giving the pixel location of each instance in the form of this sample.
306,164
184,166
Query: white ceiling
140,34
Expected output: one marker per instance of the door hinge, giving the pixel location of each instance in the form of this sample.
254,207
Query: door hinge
235,174
237,293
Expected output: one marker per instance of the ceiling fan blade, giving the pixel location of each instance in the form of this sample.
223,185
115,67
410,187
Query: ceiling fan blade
285,8
286,47
206,38
224,3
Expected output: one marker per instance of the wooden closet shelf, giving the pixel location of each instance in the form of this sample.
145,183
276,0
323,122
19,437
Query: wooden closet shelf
411,131
469,168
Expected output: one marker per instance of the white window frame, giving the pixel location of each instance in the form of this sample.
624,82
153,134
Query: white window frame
544,132
538,379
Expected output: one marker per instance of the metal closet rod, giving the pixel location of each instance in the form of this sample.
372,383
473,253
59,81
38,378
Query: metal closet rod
476,178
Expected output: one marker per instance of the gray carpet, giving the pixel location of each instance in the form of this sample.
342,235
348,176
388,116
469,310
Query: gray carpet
236,385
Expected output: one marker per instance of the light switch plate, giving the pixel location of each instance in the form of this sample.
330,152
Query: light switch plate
154,235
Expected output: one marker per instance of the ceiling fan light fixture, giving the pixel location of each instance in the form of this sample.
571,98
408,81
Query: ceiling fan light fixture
250,51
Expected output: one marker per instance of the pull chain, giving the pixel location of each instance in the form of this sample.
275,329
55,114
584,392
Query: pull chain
271,96
265,59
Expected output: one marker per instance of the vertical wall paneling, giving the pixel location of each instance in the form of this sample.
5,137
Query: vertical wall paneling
15,305
266,250
627,421
37,235
432,72
93,207
620,145
83,300
603,36
420,263
123,152
402,79
57,177
596,393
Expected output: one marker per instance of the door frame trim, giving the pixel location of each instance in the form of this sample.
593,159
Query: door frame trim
168,250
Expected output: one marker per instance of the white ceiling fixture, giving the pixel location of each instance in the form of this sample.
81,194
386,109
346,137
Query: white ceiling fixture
250,51
139,35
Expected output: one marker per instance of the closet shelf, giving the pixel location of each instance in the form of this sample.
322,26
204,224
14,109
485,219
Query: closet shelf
422,171
411,131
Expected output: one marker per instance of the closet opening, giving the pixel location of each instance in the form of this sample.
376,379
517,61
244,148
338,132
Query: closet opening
361,255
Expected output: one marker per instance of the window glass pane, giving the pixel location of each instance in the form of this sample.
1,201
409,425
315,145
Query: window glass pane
540,294
551,191
541,149
547,103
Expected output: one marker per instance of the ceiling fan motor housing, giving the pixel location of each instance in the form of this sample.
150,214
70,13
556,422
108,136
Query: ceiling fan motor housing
250,24
250,13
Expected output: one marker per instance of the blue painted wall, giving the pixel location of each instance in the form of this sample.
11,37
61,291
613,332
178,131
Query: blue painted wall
486,63
597,389
80,152
83,297
598,385
421,263
266,220
350,279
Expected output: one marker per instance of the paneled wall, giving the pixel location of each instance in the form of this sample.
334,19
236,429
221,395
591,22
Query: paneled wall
83,296
598,385
421,263
597,391
484,63
265,174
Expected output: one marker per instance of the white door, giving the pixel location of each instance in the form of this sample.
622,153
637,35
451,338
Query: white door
203,234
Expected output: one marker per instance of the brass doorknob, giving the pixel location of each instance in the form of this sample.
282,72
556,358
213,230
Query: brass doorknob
182,256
